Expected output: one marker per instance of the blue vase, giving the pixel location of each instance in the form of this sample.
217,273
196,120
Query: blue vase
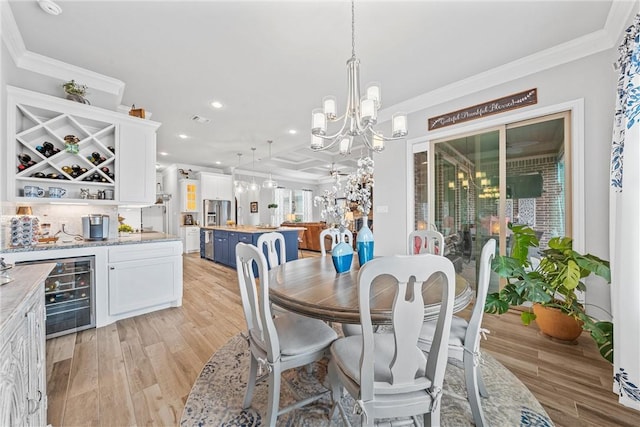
364,243
342,255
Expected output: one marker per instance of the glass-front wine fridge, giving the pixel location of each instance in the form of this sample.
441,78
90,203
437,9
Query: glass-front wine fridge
69,295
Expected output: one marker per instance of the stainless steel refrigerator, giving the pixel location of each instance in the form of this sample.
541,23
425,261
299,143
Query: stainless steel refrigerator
216,212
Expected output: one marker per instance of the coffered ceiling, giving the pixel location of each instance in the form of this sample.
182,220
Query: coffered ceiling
271,62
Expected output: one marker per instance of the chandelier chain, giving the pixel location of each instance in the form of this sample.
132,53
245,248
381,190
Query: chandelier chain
353,29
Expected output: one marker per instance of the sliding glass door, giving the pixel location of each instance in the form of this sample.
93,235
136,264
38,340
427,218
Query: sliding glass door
479,183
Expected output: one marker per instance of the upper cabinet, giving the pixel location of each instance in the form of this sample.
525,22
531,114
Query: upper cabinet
189,195
66,151
137,175
215,186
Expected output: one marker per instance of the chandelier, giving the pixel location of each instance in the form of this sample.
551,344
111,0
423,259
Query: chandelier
269,183
360,116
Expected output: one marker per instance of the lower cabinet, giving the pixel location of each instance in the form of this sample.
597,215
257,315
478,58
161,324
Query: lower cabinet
23,388
224,250
221,247
144,276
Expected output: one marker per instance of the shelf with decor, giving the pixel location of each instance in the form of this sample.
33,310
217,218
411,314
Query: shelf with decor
72,150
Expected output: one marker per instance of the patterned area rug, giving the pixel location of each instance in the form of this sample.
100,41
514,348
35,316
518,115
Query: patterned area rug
216,397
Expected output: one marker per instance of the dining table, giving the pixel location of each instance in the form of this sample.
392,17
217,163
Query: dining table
311,287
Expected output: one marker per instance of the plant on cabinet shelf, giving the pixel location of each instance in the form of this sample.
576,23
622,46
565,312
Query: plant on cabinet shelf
75,91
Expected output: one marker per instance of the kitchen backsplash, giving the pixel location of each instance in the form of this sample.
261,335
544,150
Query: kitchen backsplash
57,215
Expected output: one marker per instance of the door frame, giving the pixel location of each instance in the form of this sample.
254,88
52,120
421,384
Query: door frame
574,135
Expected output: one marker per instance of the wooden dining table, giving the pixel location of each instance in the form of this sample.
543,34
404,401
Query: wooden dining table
311,287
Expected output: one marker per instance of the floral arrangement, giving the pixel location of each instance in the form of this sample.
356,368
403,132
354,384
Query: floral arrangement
332,211
360,185
272,206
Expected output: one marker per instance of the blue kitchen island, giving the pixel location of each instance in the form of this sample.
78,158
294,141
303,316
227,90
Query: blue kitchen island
225,239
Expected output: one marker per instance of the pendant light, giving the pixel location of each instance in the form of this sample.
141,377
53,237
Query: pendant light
239,186
253,186
269,183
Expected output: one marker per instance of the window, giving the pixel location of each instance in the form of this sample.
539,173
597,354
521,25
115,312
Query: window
293,205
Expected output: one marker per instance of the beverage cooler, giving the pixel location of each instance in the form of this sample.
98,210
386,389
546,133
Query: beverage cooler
69,295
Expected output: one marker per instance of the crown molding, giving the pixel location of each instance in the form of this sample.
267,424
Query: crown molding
44,65
564,53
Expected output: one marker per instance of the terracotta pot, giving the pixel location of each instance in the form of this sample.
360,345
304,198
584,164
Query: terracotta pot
556,324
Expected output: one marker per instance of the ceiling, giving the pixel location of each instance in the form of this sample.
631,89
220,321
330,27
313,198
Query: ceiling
271,62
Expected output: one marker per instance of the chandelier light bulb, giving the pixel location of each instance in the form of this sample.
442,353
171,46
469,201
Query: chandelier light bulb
399,123
378,142
345,145
329,107
373,93
317,143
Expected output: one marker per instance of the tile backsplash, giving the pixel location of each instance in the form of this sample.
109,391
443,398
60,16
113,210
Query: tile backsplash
57,215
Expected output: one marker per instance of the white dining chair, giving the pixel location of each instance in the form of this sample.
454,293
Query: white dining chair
464,341
337,236
285,342
426,241
276,249
386,373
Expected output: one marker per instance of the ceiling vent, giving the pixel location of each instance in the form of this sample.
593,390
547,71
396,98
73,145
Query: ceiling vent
199,119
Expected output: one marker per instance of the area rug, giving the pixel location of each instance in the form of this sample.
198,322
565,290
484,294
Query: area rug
216,397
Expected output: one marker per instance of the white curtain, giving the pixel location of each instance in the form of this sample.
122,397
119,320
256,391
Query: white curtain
625,222
307,205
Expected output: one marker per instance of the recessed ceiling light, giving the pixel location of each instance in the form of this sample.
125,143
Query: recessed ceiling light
183,136
293,131
218,162
50,7
216,104
162,153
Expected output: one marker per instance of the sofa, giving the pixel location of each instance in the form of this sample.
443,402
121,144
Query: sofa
310,238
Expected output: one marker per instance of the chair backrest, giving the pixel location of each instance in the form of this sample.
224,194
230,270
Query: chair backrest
337,236
472,336
274,243
426,241
255,302
410,369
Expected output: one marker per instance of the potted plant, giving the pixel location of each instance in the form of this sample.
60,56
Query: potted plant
551,285
75,91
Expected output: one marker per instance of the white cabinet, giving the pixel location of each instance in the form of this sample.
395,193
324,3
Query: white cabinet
136,164
144,276
215,186
54,142
23,389
189,195
190,239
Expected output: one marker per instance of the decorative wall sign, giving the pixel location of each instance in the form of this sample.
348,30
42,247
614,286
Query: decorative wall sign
254,207
500,105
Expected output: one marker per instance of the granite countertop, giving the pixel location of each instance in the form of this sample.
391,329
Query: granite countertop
69,242
251,228
25,280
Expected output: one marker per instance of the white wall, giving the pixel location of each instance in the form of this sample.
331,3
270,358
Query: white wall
592,79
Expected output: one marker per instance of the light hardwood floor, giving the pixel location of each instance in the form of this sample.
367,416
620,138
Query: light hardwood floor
139,371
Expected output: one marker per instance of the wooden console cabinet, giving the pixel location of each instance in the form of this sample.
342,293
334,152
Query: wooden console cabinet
311,237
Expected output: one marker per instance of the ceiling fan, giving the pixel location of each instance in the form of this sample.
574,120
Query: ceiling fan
333,172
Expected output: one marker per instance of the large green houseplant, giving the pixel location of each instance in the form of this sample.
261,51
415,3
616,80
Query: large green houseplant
551,283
